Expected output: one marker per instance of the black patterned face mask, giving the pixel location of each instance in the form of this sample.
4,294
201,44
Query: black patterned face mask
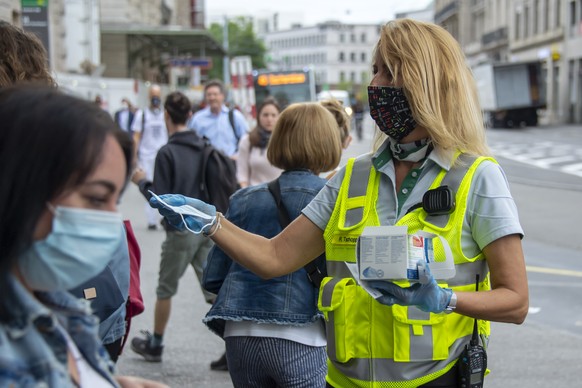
390,110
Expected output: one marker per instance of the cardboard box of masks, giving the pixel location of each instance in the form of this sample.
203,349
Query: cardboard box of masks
390,253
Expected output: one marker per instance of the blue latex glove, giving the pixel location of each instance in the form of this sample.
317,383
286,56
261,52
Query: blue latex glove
426,295
184,212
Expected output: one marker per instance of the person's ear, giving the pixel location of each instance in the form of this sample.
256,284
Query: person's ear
347,142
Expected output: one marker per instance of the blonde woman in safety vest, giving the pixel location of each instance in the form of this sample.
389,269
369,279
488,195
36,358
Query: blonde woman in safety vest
423,99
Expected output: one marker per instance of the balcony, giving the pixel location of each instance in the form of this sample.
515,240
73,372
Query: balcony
495,38
446,12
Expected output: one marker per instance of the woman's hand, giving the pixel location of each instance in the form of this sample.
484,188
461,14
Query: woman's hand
185,213
426,294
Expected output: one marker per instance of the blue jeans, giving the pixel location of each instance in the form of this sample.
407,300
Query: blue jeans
273,362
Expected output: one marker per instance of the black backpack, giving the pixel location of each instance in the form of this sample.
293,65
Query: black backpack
217,177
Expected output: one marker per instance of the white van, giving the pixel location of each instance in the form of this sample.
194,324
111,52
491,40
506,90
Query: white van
340,95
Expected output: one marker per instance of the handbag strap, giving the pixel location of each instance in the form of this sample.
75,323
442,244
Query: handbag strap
313,273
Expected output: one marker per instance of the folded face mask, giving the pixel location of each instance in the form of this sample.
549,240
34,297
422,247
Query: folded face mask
187,210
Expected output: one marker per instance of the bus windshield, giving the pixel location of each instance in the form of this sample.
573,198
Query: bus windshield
286,86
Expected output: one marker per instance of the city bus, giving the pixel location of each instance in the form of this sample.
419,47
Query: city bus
286,86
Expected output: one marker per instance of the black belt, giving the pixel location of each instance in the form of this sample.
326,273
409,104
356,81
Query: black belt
448,380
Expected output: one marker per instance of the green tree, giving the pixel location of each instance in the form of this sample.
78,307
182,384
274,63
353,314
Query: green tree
242,40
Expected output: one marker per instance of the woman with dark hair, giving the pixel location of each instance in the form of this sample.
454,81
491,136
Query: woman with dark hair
252,165
63,173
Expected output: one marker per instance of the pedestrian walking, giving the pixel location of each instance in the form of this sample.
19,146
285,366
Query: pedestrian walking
175,172
273,331
252,165
336,108
222,126
150,134
423,99
358,111
124,116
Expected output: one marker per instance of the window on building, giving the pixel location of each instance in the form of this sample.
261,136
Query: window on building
353,76
546,16
573,13
364,77
526,22
477,26
342,38
353,57
363,37
353,38
517,26
558,4
341,57
536,13
363,57
342,76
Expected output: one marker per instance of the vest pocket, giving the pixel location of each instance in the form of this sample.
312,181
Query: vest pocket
347,319
418,335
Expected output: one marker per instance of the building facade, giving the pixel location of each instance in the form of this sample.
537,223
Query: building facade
548,31
10,11
340,54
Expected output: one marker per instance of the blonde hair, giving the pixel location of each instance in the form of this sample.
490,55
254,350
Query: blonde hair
305,136
338,111
437,82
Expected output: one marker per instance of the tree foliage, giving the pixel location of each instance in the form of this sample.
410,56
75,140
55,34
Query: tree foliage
242,40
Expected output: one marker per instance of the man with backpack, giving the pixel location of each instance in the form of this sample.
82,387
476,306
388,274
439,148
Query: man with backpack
223,127
188,165
149,134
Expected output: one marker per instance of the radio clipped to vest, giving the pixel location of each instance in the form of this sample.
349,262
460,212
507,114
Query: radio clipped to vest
439,201
472,363
436,202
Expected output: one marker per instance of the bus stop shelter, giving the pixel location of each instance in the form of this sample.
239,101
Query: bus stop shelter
146,52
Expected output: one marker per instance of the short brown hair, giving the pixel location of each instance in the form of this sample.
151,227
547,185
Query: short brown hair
216,83
24,58
305,136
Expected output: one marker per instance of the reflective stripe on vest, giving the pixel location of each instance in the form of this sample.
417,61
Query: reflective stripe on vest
360,352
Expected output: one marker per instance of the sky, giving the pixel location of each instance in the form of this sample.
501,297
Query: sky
311,12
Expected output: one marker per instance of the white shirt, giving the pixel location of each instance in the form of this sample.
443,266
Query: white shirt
154,135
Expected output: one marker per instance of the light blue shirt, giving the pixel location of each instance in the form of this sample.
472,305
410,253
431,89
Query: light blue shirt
217,128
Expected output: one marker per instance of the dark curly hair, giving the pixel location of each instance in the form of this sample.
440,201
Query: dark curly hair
24,58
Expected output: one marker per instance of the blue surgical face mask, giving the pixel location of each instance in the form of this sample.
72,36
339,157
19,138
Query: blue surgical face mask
155,101
78,248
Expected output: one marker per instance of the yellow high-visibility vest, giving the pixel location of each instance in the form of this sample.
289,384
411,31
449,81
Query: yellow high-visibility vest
373,345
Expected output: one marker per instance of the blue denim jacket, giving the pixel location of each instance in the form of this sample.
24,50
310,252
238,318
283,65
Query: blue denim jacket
33,352
242,295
